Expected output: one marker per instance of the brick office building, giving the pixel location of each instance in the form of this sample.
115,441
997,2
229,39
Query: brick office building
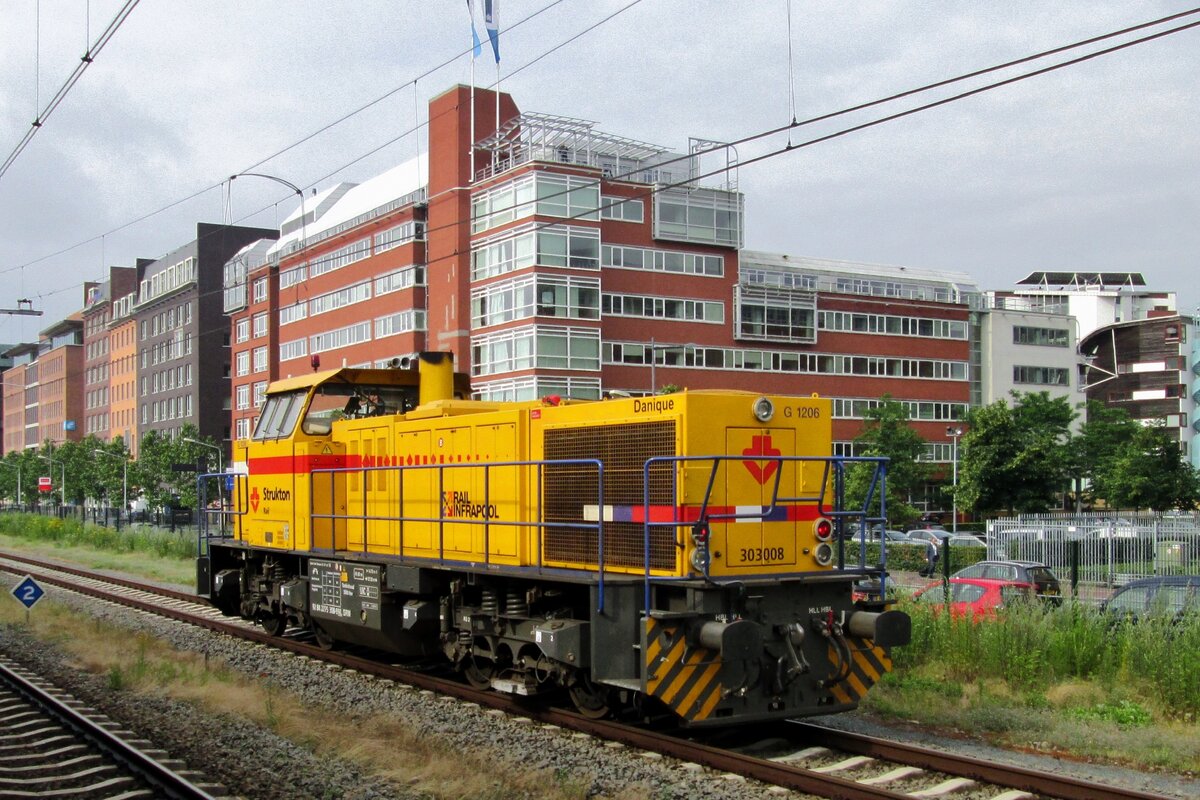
183,335
43,389
101,365
21,428
554,258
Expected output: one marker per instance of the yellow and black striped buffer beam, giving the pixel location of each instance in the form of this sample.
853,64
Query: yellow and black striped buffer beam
686,678
867,666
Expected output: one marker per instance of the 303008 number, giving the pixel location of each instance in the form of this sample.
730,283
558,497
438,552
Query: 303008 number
761,555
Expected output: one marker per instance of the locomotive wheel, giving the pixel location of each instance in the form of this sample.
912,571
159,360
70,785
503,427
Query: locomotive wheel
590,700
322,637
478,671
272,624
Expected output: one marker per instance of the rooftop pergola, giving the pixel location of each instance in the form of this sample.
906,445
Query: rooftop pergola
545,137
1079,280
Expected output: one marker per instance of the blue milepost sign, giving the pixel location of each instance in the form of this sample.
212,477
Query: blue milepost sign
28,592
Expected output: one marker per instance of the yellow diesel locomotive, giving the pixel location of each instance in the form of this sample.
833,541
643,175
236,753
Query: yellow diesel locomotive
675,552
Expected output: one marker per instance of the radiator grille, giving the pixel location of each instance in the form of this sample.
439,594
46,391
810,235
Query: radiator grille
623,449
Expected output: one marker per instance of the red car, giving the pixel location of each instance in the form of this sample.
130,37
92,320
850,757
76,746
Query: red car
976,597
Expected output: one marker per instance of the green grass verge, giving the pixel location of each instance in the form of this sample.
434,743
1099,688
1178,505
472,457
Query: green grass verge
1065,680
148,552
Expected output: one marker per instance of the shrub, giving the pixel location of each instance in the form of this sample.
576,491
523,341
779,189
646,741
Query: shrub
70,532
1031,647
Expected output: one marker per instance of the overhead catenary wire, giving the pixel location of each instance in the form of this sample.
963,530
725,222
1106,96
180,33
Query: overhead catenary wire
276,154
85,61
789,147
851,109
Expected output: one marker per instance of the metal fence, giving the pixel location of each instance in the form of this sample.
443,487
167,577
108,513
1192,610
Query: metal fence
1101,549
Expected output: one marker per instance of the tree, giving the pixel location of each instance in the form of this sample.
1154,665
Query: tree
886,432
1016,458
157,454
20,465
1150,472
1100,441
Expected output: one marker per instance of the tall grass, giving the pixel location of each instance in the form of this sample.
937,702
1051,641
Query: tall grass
1031,647
73,533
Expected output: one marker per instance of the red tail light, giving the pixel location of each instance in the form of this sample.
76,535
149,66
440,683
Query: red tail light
823,529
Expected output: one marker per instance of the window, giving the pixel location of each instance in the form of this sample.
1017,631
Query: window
260,290
540,295
400,322
1048,337
531,388
401,234
242,363
698,357
1042,376
342,297
622,210
708,216
536,346
293,313
342,337
293,276
889,325
260,325
555,246
260,359
661,261
649,307
779,314
242,330
341,257
260,393
297,348
405,278
242,397
544,193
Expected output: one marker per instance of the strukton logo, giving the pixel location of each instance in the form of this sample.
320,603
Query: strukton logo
254,498
761,446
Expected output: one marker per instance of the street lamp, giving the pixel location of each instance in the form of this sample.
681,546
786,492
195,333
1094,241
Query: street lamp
220,453
953,431
124,475
299,193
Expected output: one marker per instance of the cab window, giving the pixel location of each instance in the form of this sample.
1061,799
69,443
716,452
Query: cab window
279,415
334,401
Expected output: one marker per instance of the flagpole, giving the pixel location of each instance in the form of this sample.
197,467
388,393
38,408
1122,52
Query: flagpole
471,149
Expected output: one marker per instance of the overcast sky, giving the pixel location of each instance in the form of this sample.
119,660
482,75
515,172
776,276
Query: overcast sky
1093,167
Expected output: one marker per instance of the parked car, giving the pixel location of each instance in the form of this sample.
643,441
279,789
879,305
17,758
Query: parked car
976,598
873,535
965,540
1031,572
1173,595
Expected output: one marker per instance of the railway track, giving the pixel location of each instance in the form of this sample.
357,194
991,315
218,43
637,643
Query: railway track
52,747
801,756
